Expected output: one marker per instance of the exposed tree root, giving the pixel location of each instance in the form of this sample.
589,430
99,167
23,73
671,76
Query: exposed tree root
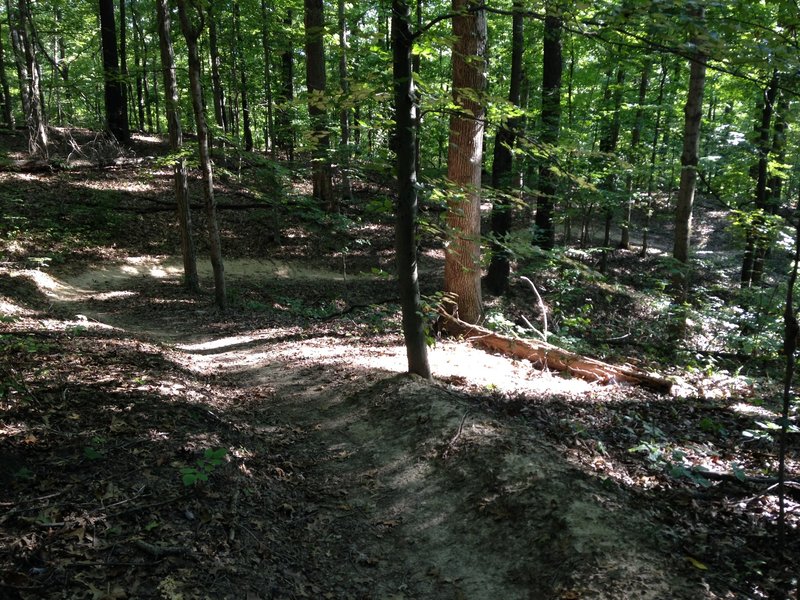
553,357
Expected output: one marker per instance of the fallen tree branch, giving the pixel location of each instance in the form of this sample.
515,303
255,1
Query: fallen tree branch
553,357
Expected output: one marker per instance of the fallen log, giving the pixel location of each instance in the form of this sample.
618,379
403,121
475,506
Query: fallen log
553,357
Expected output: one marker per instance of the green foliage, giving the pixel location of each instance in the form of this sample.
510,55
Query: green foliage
203,468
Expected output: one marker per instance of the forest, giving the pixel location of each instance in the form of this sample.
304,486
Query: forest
474,299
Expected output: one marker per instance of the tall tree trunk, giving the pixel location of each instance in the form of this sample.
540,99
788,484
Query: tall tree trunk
216,80
608,148
316,82
550,126
752,262
500,267
693,113
407,202
192,32
8,110
284,129
462,268
344,113
248,130
633,157
30,87
190,277
651,176
116,109
140,62
15,24
123,57
269,126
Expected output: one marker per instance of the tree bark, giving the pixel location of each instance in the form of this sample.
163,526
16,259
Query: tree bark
693,116
246,125
123,58
192,32
552,357
462,269
5,89
500,265
284,135
608,149
316,81
344,113
190,277
553,67
140,63
269,127
116,110
407,201
30,87
220,115
633,154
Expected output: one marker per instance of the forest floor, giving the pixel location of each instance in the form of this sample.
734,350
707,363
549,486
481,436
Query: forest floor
154,448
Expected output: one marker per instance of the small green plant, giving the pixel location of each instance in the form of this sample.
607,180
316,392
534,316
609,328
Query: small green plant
212,458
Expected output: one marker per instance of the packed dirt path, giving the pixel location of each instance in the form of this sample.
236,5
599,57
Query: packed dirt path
385,485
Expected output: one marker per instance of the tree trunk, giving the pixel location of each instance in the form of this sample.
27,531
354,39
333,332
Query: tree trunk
15,23
140,62
316,82
190,277
407,202
220,116
269,128
693,113
123,58
462,269
608,148
8,110
116,109
550,127
248,130
30,86
344,113
500,266
284,130
192,32
752,262
633,158
653,156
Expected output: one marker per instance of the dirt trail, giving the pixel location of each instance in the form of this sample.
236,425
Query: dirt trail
411,489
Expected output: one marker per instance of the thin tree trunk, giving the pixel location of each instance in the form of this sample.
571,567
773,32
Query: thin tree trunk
653,156
248,131
344,113
693,112
123,57
216,81
8,110
190,277
316,81
140,62
500,265
462,269
192,33
636,136
35,116
269,130
550,127
608,148
407,202
285,129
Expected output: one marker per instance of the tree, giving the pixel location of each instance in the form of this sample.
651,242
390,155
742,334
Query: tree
693,116
190,276
220,114
191,32
499,268
407,201
284,137
114,98
5,89
237,25
462,269
552,68
316,82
